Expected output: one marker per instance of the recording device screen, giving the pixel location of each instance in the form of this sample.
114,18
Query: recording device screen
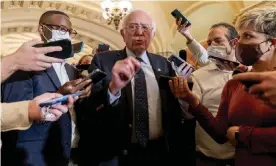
96,75
66,48
177,14
164,82
103,47
62,100
177,61
83,67
183,55
78,47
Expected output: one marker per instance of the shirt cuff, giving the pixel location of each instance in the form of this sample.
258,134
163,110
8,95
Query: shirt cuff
113,98
15,116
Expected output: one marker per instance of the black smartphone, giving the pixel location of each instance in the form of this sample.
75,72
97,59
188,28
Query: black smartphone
66,48
103,47
176,60
225,62
83,67
177,14
96,75
246,83
78,47
164,82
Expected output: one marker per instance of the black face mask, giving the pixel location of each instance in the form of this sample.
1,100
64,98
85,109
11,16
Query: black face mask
248,54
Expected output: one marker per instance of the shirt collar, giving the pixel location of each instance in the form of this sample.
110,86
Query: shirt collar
143,56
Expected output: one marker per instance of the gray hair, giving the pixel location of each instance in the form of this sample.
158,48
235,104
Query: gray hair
262,19
125,19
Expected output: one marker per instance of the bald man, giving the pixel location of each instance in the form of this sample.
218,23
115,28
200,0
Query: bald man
135,120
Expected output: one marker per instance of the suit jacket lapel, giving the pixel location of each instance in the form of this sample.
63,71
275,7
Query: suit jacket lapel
53,76
156,66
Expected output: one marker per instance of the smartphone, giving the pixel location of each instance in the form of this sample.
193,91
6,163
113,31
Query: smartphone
83,67
246,83
96,75
103,47
164,82
177,14
78,47
225,62
176,60
61,100
66,48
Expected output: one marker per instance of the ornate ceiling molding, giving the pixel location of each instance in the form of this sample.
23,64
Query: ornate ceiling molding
86,18
257,5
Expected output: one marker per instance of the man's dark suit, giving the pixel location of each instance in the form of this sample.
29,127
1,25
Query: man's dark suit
44,143
105,130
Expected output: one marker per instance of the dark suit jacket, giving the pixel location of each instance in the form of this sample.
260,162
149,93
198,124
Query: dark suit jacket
105,130
44,143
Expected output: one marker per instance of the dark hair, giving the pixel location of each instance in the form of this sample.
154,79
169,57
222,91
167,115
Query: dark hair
232,32
49,13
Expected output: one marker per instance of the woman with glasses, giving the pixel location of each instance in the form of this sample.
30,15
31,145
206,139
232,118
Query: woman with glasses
245,120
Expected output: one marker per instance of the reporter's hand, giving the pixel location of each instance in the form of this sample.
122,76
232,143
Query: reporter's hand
231,135
29,58
180,89
122,72
265,89
184,30
75,86
37,113
184,70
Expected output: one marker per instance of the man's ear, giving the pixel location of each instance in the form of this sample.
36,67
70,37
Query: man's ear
122,33
273,41
235,41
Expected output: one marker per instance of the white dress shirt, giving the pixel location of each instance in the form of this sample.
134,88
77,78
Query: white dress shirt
199,52
209,82
153,94
63,78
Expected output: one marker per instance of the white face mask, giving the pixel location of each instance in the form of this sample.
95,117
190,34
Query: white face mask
57,35
220,52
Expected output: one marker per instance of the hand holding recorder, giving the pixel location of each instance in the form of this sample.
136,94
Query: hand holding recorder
29,58
262,85
181,67
74,86
122,72
36,112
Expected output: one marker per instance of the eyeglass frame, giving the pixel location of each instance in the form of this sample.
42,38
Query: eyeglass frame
137,26
70,30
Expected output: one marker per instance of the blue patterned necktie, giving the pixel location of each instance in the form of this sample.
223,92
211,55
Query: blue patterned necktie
141,108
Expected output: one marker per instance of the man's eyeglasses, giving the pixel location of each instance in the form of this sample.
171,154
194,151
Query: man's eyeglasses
133,27
62,29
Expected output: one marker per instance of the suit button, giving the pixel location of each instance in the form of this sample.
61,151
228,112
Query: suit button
67,125
182,121
129,126
124,152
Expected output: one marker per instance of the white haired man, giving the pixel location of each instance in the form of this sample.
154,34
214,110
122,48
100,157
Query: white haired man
135,120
